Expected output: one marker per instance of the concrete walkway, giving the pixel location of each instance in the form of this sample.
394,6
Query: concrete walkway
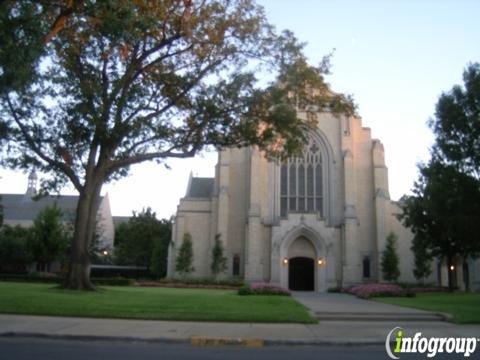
326,332
347,307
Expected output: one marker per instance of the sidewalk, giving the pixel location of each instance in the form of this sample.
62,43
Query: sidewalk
326,332
345,307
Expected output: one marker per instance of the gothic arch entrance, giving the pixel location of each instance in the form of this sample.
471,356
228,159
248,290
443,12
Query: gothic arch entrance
301,265
301,274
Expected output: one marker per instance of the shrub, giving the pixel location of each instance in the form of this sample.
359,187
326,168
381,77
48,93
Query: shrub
335,289
55,279
390,259
263,289
366,291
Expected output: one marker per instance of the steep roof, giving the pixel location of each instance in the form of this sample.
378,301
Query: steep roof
23,207
200,187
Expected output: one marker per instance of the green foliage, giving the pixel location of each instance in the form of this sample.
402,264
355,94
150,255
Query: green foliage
22,26
117,83
184,261
456,125
136,239
204,281
15,252
219,261
49,239
444,210
159,260
390,260
422,259
40,278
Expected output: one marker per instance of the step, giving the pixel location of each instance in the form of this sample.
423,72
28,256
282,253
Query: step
357,316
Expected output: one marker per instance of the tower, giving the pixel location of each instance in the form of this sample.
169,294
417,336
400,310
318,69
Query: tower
32,184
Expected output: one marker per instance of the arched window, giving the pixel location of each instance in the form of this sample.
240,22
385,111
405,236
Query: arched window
301,182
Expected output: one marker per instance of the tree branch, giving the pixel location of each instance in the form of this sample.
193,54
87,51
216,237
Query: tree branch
67,170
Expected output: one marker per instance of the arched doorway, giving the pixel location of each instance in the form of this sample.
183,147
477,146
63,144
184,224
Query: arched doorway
301,276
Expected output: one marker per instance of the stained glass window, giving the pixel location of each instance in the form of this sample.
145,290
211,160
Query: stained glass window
301,178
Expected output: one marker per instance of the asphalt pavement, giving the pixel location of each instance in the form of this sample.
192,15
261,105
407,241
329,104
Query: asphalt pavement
48,349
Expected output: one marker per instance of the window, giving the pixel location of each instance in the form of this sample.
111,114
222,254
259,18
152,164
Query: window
366,267
236,265
301,182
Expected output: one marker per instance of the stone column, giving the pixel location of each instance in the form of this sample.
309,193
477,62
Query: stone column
254,247
351,251
223,204
380,178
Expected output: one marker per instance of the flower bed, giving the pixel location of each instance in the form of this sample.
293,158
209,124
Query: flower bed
263,289
366,291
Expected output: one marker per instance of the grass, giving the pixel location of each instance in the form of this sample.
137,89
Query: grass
464,307
150,303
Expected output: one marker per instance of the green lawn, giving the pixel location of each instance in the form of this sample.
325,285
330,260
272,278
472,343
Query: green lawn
465,307
150,303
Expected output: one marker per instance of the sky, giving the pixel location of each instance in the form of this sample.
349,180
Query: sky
394,56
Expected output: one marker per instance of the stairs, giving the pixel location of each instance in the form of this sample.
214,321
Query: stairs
379,316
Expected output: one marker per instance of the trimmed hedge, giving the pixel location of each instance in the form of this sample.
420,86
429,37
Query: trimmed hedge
31,278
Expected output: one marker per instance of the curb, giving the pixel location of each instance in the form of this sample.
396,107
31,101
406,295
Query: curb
216,341
199,340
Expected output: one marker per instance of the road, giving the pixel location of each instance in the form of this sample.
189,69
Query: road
48,349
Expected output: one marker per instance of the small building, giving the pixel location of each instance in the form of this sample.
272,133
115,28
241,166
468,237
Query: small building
22,209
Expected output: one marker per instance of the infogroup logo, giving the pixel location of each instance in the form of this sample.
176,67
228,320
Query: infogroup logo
431,346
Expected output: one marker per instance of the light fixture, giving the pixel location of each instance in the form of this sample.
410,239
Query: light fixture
105,252
321,262
285,261
452,267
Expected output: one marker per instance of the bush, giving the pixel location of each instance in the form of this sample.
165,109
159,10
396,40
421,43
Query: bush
263,289
366,291
245,290
55,279
113,271
205,281
335,289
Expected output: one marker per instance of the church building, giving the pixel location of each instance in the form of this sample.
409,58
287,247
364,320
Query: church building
313,222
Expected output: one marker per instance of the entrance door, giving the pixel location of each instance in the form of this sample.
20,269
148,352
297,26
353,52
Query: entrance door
301,274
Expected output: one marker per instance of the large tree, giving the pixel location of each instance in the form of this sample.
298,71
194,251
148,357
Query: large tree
135,240
444,210
116,83
444,213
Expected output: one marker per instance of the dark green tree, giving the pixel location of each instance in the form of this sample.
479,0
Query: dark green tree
390,259
15,252
121,82
456,125
184,261
444,210
159,259
49,240
135,240
219,260
422,260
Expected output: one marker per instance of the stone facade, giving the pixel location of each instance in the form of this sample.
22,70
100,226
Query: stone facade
314,222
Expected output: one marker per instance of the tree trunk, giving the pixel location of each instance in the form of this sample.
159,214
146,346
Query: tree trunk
78,277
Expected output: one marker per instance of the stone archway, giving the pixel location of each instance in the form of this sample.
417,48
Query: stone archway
301,241
301,264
